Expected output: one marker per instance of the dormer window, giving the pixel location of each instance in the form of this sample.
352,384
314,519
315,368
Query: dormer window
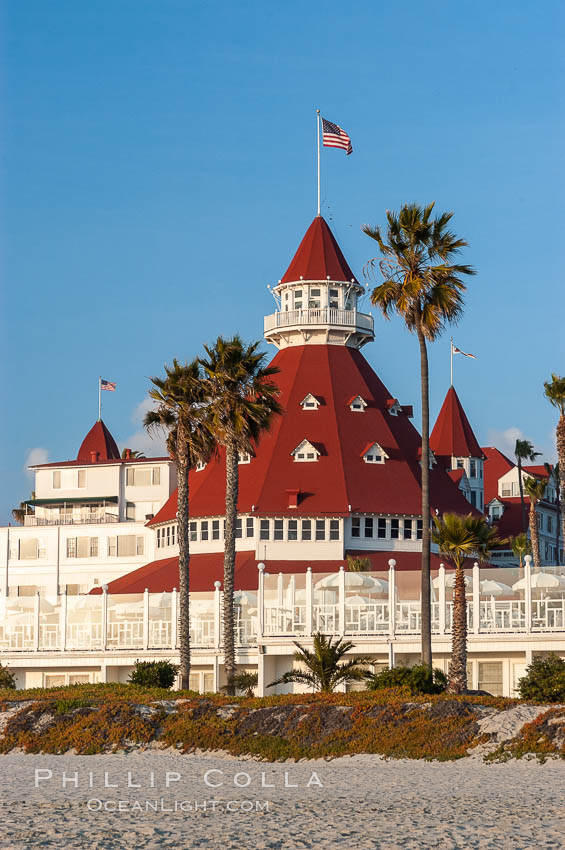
244,457
393,406
310,402
357,404
200,466
306,452
373,453
432,458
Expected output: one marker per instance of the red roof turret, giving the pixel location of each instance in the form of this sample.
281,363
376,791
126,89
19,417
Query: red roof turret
98,445
452,435
318,257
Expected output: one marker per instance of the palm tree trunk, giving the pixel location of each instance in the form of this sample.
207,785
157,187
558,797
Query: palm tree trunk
425,576
534,534
232,487
457,683
184,557
558,521
560,434
521,486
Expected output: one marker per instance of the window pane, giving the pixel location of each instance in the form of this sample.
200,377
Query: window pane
238,530
249,527
112,545
204,530
419,529
394,527
215,529
126,545
408,529
355,526
381,528
278,529
140,546
334,529
193,532
130,476
93,547
264,530
320,529
368,526
293,529
71,547
306,529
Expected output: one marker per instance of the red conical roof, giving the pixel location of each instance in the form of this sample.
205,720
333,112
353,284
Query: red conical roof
340,481
318,257
100,441
452,435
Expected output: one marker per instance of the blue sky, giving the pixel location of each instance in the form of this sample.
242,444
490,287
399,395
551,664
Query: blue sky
158,170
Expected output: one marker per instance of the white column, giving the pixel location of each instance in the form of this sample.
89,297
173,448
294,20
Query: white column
104,616
174,618
341,599
36,622
6,574
476,598
309,601
280,601
146,618
441,579
391,597
528,577
217,612
261,599
63,621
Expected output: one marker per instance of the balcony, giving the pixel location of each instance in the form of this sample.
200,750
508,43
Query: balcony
347,319
90,519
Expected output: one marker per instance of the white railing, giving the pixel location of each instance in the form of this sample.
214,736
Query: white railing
319,316
150,621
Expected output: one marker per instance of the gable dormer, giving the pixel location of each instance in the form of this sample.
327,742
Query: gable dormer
393,406
357,404
373,453
432,458
495,509
310,402
306,452
244,457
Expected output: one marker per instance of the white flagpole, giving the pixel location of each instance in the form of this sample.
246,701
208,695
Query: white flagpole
318,128
99,397
451,344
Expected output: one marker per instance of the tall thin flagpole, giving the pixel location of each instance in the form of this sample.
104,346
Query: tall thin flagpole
318,128
99,397
451,349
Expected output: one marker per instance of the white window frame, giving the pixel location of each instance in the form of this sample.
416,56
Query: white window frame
305,452
358,404
375,451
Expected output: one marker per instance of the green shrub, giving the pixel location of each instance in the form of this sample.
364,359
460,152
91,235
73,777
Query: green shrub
154,674
544,680
7,678
418,680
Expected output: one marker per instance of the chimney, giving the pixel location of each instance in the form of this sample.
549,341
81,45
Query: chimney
94,457
292,496
128,454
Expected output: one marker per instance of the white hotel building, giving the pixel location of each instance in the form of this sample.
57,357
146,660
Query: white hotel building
89,582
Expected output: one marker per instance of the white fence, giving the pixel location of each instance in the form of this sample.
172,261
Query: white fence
369,605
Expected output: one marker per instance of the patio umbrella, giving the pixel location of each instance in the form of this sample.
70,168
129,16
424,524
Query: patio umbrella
541,581
490,587
377,585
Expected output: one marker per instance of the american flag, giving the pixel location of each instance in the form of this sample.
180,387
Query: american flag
334,137
108,385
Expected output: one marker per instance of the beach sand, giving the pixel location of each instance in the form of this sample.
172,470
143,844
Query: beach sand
364,802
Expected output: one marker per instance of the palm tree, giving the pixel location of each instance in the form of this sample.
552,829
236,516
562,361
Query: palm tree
424,287
520,546
524,450
180,398
358,565
555,394
535,488
242,400
324,666
20,512
459,538
554,472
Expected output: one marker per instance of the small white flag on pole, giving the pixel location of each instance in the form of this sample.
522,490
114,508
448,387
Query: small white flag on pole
464,353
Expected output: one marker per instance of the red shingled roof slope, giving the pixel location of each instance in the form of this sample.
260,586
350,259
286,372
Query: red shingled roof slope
495,466
318,257
206,568
452,435
98,440
339,481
